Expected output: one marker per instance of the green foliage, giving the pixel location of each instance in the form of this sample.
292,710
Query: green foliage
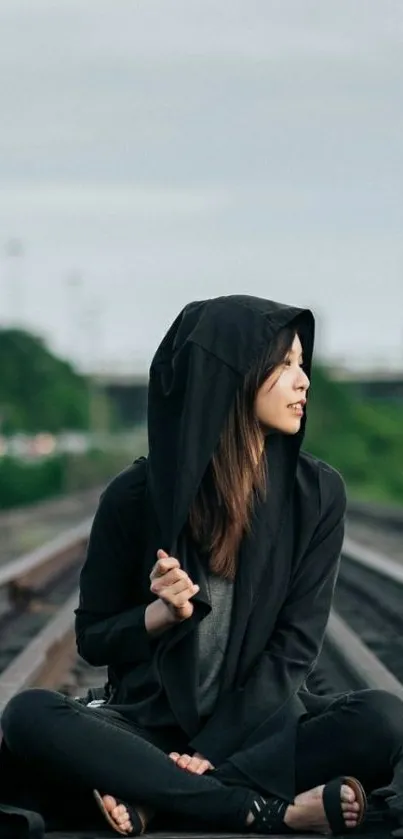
38,391
23,483
363,440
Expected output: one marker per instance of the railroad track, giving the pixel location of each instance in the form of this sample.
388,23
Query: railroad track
39,592
38,595
390,517
25,529
377,527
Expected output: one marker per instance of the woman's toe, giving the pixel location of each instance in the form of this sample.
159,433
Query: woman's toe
347,794
109,802
119,813
125,822
349,807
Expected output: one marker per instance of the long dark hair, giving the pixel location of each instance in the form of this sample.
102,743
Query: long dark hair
222,509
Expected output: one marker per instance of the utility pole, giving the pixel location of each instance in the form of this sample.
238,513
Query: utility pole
74,287
99,421
14,253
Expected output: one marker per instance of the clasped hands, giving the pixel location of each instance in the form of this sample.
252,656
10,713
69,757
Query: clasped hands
196,764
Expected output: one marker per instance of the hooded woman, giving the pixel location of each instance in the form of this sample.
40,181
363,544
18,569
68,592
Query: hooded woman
206,591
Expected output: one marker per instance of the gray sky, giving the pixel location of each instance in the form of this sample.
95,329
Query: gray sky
168,150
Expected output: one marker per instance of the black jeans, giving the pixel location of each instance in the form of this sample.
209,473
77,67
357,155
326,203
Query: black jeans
55,751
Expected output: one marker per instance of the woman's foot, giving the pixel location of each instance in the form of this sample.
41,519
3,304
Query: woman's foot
120,815
308,812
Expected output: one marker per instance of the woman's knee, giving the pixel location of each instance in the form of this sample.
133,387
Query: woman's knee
25,713
382,712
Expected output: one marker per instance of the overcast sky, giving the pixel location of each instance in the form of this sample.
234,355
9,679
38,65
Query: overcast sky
158,151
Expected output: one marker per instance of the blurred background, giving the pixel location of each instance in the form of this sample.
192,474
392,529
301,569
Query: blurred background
154,152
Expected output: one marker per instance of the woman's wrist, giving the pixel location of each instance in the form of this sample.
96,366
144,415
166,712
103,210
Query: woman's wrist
158,618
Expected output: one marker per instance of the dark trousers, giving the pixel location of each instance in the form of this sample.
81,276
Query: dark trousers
55,751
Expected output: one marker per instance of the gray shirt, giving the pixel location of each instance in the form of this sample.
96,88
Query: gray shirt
213,634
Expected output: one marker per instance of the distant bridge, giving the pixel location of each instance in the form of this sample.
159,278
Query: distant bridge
128,391
378,385
128,394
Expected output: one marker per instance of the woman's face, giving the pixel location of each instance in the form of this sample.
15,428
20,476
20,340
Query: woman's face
280,406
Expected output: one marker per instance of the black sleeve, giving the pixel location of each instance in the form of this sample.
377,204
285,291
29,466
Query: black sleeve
295,643
110,626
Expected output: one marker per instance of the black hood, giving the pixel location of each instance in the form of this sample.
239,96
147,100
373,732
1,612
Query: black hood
194,376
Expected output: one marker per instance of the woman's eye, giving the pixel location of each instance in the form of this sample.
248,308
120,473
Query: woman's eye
288,363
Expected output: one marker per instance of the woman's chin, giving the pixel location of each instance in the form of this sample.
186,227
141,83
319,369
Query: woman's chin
287,427
291,426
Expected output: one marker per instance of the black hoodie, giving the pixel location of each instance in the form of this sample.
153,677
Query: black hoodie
287,565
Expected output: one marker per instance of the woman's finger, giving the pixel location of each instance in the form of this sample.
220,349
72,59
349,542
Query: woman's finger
206,766
180,596
173,581
197,766
184,761
163,565
200,767
201,757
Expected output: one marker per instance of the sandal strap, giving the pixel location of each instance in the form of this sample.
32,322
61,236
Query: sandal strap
137,824
332,806
269,815
332,803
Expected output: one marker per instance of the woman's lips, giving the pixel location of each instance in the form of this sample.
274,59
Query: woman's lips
297,409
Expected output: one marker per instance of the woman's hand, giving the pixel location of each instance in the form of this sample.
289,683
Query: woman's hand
173,586
196,764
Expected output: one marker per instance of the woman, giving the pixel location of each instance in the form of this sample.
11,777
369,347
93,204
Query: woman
206,590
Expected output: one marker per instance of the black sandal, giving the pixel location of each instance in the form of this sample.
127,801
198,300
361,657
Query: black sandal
269,816
269,813
137,825
332,803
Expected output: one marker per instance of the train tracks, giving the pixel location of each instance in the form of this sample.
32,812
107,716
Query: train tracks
38,595
363,646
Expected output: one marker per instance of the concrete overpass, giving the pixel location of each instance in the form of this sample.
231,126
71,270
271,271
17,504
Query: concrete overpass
128,391
128,394
375,385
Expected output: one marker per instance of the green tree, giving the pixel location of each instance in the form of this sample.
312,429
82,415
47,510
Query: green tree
38,391
363,439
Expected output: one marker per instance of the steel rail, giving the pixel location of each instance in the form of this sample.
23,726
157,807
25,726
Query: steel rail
358,659
48,657
373,559
386,515
22,576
